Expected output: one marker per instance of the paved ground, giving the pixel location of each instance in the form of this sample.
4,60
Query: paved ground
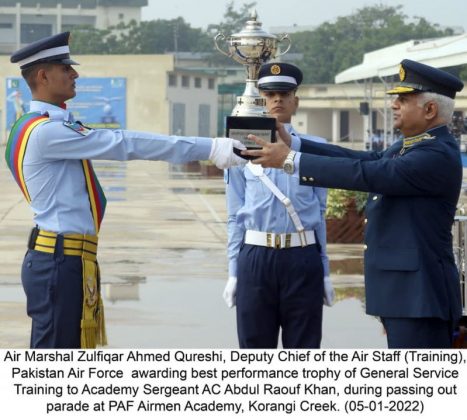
163,261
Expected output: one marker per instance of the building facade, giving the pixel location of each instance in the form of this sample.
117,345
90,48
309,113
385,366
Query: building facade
25,21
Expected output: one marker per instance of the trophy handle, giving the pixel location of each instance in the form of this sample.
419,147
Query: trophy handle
289,44
221,37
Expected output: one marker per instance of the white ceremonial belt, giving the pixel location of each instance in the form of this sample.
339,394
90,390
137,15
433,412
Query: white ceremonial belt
280,240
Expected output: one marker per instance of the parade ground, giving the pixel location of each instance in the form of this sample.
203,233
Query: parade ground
162,253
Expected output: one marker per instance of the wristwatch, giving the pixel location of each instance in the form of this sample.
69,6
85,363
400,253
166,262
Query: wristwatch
288,165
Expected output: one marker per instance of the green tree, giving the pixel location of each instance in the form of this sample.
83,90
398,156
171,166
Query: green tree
147,37
89,40
161,36
333,47
234,20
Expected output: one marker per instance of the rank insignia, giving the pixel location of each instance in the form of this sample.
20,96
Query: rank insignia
401,73
275,69
81,129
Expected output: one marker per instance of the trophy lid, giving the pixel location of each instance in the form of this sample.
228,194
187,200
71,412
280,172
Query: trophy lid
253,29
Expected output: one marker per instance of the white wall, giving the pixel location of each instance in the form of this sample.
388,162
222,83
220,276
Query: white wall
193,97
318,122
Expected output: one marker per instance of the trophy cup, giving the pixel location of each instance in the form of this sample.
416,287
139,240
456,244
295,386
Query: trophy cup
252,47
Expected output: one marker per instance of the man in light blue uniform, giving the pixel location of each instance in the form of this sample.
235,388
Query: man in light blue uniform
275,279
49,167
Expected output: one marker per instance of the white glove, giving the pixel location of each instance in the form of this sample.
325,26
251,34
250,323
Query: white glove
230,292
222,152
329,295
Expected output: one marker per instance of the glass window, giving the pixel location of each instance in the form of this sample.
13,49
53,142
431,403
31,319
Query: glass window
178,119
172,79
31,32
204,120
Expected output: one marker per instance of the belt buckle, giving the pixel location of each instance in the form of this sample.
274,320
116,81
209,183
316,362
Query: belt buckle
277,241
269,240
288,240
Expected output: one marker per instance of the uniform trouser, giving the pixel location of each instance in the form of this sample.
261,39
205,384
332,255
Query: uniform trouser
418,333
53,284
279,288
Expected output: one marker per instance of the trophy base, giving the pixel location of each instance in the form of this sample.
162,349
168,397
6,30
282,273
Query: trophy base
239,128
238,152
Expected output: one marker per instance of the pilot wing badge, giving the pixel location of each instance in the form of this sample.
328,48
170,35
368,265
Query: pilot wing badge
75,126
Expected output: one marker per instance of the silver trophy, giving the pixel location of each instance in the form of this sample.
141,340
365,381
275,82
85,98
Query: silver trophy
252,47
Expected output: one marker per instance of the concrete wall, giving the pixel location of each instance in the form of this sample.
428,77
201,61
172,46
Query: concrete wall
111,16
193,97
316,122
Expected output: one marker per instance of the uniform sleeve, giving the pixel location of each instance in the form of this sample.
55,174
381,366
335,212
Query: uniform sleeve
57,141
235,200
332,150
321,194
320,230
420,170
295,143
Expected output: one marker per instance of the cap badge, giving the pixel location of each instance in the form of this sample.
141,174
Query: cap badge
275,69
401,73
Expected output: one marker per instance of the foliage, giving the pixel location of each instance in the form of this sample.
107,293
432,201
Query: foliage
89,40
147,37
334,47
329,49
340,201
233,20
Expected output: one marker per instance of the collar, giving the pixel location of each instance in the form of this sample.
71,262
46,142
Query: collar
410,141
55,112
288,127
430,134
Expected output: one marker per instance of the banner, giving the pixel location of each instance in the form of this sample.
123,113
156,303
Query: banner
100,102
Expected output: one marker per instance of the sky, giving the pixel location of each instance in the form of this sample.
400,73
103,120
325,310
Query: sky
272,13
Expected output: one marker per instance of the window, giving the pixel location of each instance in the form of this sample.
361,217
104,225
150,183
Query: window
31,32
344,124
211,83
204,120
178,119
321,89
172,79
185,81
6,25
197,82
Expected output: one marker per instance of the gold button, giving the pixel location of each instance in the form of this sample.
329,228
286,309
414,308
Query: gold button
311,179
375,197
304,178
365,247
365,221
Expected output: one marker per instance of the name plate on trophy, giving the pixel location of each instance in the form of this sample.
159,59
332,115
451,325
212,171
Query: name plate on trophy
238,128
